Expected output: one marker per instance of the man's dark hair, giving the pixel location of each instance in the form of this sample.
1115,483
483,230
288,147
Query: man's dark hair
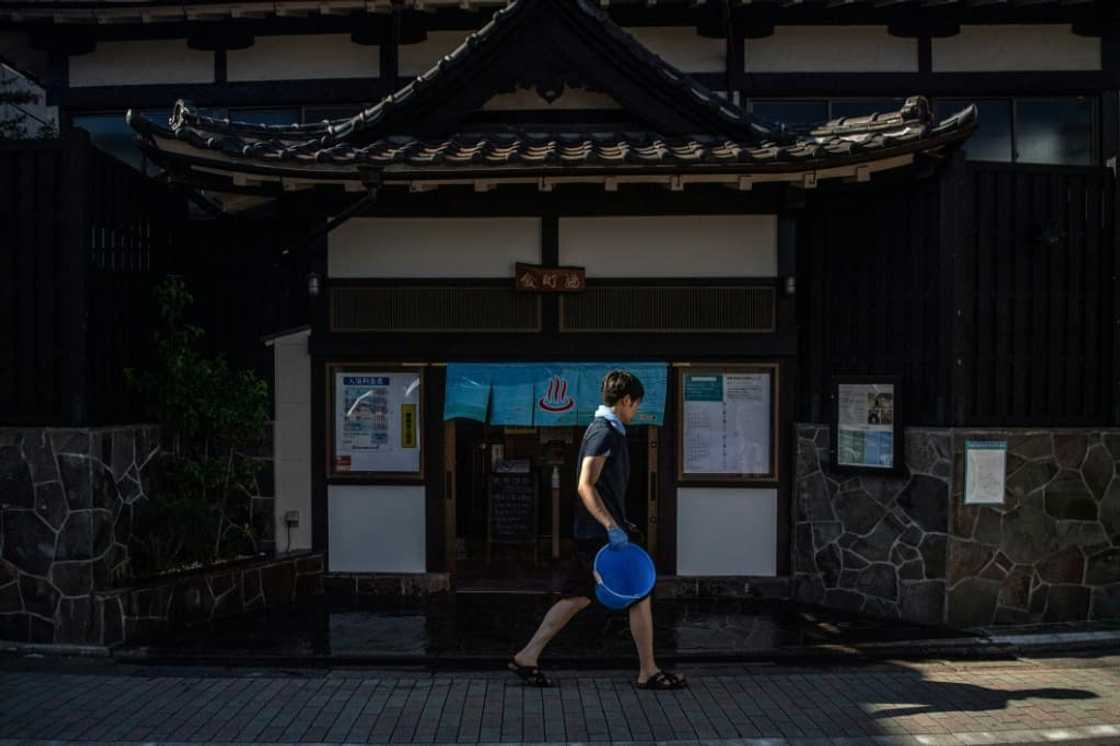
619,384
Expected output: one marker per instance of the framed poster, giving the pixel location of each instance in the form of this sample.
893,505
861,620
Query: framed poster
985,471
728,415
866,426
376,424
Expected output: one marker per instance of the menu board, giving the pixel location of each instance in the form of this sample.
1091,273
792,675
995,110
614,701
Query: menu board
727,417
513,508
865,425
377,422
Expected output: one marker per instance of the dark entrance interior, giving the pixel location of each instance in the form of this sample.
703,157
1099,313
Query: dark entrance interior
511,532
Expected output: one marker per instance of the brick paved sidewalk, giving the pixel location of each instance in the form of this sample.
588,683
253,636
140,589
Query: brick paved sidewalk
1016,701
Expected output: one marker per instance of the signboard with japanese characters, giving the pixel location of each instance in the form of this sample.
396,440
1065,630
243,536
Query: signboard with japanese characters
532,278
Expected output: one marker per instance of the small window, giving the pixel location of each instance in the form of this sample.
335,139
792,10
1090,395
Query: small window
1054,131
865,107
266,116
316,114
793,113
111,133
992,139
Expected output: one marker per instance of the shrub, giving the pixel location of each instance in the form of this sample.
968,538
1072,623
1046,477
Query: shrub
210,414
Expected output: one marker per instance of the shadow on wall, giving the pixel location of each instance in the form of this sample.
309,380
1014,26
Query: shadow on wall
908,548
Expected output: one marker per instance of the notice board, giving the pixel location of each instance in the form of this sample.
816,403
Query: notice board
728,416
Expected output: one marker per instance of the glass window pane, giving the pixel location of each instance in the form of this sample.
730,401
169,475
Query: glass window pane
1054,131
863,107
316,114
992,139
796,114
265,116
109,132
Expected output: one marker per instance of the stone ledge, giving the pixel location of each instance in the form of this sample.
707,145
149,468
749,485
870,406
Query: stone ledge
142,612
725,586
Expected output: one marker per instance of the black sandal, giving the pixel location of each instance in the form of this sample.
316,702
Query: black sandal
531,675
662,681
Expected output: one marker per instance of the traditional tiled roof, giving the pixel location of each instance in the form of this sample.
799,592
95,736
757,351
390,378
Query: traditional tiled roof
911,129
678,122
150,11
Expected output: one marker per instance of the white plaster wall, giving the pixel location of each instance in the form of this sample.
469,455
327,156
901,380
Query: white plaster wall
727,531
418,58
672,246
141,62
432,247
683,48
793,49
292,438
376,529
303,57
1000,48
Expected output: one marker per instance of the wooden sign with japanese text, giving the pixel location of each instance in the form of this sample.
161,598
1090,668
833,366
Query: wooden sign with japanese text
532,278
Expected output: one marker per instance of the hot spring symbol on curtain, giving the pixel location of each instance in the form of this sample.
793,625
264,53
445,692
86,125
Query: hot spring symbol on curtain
556,397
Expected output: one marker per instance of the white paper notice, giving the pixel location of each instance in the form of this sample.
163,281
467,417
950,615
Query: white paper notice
727,422
377,422
985,472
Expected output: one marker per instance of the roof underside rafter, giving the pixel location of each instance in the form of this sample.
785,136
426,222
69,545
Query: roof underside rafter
161,11
683,132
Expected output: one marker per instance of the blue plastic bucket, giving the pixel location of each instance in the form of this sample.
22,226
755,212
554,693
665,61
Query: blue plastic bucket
623,576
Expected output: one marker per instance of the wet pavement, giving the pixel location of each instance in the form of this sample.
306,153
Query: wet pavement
481,625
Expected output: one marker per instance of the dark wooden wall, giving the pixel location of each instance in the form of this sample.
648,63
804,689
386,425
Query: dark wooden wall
84,239
1039,326
868,294
989,288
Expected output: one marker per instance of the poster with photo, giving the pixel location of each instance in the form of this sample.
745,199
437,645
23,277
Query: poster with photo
728,418
377,422
865,426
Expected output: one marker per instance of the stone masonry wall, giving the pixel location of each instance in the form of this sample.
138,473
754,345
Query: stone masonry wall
870,544
66,503
908,548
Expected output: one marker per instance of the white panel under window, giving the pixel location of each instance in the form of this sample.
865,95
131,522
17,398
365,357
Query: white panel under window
672,246
411,248
303,57
1028,47
795,49
142,62
727,531
683,48
376,528
419,58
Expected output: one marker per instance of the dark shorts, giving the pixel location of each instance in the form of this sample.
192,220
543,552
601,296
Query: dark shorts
579,578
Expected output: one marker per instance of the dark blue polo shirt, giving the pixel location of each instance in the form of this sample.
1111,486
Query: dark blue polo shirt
601,439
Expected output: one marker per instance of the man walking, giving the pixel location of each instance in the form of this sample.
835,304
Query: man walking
600,515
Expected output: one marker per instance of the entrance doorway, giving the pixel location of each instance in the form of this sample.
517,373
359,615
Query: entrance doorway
515,496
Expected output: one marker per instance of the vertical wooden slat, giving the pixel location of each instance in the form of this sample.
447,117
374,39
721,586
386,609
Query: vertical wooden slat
27,388
1034,366
46,275
1020,319
983,351
8,273
1077,327
1005,242
1089,303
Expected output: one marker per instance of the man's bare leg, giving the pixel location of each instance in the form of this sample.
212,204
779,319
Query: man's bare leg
641,629
555,620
